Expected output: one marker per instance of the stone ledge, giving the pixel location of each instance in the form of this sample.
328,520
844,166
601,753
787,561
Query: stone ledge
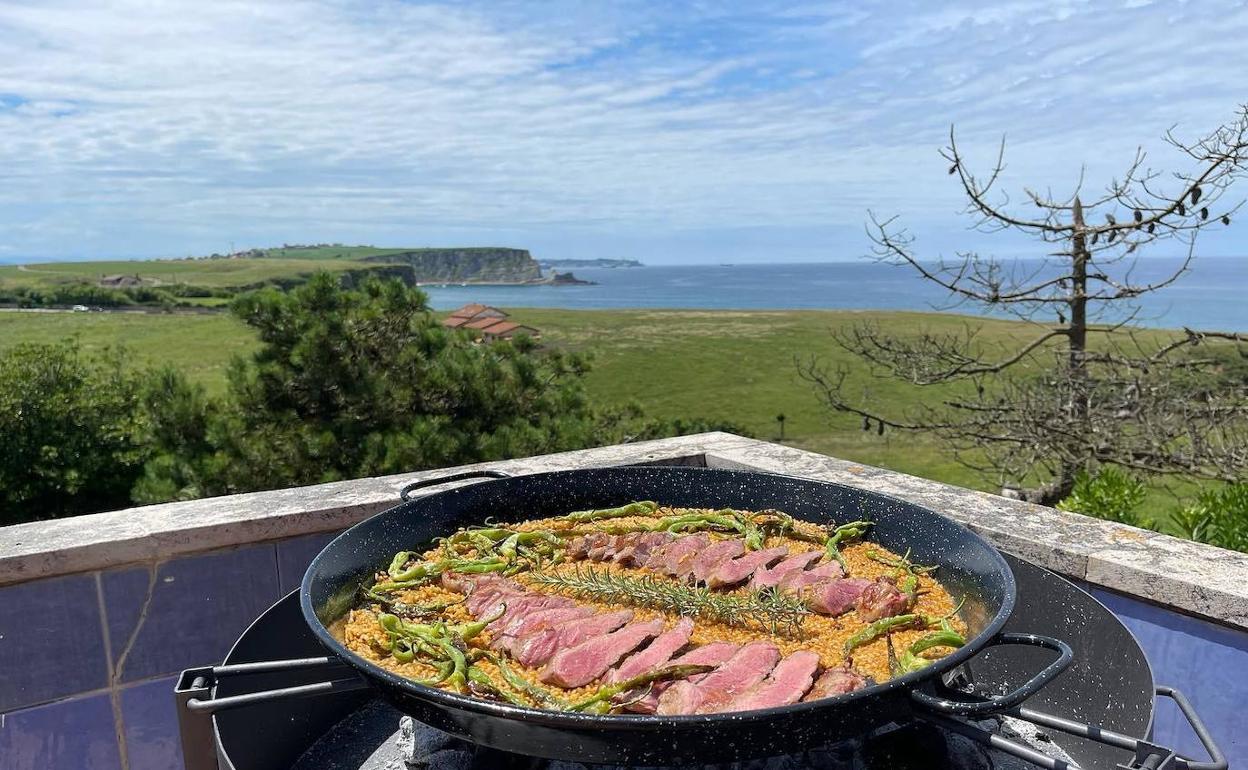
156,532
1190,578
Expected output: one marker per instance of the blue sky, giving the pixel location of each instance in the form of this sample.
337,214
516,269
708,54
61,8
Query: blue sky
667,132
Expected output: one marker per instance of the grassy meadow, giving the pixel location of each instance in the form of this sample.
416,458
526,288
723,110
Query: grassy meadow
215,273
731,365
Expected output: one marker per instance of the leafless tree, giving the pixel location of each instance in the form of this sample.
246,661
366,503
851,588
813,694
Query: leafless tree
1088,387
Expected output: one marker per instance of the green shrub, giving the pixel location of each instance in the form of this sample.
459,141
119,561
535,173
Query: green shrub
1218,517
68,422
1111,494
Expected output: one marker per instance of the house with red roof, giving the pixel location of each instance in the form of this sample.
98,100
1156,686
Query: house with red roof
490,322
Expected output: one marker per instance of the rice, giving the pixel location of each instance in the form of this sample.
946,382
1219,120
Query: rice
823,635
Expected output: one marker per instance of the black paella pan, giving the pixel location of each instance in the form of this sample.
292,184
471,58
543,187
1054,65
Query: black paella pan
971,569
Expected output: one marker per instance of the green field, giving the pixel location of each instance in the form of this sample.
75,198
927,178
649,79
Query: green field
216,273
729,365
200,345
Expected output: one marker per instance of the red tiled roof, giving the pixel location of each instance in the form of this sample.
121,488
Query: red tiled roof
510,327
454,322
468,310
484,323
474,310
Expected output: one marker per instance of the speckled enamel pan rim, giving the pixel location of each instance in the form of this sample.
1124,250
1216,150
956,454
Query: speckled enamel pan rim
643,722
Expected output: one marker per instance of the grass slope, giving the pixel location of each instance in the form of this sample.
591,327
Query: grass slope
199,345
729,365
221,273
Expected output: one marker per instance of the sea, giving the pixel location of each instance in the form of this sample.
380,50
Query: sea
1212,295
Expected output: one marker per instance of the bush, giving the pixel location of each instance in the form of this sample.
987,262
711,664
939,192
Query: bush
359,382
1111,494
68,423
1218,517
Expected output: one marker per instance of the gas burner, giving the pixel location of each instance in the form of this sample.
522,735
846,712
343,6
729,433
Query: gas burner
341,725
365,741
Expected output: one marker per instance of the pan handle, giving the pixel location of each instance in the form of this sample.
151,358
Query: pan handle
406,493
943,705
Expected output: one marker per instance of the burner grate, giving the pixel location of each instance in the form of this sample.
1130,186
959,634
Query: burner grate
367,740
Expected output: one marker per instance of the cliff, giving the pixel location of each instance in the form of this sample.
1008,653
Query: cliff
465,265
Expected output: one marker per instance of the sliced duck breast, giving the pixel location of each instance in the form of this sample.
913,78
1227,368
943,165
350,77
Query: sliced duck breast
537,648
484,599
712,654
647,544
786,684
835,597
838,681
747,667
883,599
655,655
513,607
578,666
729,573
796,582
709,558
527,623
602,548
672,558
766,578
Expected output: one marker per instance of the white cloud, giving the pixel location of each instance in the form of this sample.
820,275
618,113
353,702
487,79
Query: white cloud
170,128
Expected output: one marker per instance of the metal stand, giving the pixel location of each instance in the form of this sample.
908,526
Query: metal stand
197,702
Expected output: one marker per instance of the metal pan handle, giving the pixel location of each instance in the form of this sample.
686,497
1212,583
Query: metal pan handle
1147,754
943,705
406,493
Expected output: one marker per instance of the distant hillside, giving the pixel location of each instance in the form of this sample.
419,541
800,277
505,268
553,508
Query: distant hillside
222,273
475,264
465,265
212,279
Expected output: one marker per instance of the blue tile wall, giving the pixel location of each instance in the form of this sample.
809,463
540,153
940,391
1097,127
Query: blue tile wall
66,735
151,725
51,641
199,606
294,556
1208,662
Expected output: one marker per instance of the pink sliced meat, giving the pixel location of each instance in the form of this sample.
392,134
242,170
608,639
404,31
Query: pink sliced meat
646,545
578,547
470,584
746,668
835,597
766,578
786,684
671,559
483,599
712,654
539,647
655,655
709,558
516,606
578,666
528,623
797,582
883,599
729,573
602,548
838,681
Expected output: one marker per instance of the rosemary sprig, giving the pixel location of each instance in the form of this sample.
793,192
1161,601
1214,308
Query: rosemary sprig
767,610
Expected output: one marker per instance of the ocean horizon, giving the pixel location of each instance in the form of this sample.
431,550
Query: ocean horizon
1210,296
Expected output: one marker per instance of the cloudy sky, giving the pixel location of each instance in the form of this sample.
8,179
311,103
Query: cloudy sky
715,132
